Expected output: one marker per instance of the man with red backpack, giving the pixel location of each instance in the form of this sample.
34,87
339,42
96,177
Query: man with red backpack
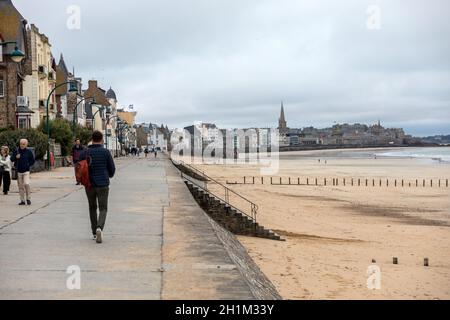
77,149
95,168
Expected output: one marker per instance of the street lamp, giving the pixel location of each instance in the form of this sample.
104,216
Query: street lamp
17,55
108,114
75,113
109,118
73,87
100,109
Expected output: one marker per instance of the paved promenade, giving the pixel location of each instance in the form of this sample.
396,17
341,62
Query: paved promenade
158,244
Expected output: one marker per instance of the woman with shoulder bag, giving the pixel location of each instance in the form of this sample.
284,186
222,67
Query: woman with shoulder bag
5,169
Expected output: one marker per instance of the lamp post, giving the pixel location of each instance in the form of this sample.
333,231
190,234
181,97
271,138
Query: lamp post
17,56
106,129
124,128
100,109
75,113
73,88
108,114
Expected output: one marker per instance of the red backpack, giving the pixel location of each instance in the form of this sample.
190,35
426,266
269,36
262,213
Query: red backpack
82,172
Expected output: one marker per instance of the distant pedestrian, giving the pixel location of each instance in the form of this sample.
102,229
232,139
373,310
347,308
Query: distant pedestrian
156,153
5,169
101,169
146,152
23,160
77,149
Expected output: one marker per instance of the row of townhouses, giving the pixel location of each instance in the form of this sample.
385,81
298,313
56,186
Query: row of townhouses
205,136
34,86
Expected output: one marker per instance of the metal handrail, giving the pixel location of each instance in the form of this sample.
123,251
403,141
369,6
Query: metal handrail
190,179
253,206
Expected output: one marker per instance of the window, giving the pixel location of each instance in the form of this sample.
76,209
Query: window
2,89
23,123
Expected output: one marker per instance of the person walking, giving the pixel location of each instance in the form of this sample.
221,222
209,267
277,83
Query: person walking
5,169
77,149
101,169
23,160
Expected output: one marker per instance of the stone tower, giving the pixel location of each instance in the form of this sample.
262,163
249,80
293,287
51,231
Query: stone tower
282,124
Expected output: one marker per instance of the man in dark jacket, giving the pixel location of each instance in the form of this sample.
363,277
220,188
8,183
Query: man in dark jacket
23,160
101,169
77,149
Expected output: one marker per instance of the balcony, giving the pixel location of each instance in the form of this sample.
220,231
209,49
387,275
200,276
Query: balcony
43,71
51,76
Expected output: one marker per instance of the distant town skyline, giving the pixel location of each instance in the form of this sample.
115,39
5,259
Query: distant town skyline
231,62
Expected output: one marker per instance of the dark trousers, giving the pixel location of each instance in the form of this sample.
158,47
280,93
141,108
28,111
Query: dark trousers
5,178
98,198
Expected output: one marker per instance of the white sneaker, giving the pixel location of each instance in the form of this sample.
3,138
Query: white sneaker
99,235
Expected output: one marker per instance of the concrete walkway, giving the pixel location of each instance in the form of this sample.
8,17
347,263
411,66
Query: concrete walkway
151,249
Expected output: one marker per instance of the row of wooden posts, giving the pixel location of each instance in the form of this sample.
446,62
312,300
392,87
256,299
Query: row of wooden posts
426,261
344,182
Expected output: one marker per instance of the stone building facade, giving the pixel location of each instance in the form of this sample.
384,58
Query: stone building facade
14,112
42,80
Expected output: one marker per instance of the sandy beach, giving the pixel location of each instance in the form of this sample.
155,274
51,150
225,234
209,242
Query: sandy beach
334,232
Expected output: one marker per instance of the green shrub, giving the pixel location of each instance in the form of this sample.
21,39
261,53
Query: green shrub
84,134
36,139
61,132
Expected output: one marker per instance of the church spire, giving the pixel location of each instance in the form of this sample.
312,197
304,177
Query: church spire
282,117
282,124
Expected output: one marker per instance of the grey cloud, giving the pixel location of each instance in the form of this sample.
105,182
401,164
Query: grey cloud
231,62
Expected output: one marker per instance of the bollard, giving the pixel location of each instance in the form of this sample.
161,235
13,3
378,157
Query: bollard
337,181
366,182
359,182
431,183
446,183
325,181
298,181
410,184
316,181
395,260
387,183
253,180
373,182
395,183
403,183
262,180
352,182
426,262
374,261
344,182
271,180
281,181
439,183
424,182
307,181
380,182
289,180
245,180
417,183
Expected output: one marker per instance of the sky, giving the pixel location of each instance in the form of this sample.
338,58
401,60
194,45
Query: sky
232,62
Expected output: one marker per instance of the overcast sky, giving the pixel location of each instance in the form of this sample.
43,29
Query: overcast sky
232,61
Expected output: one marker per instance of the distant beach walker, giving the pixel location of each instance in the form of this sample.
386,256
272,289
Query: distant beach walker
441,154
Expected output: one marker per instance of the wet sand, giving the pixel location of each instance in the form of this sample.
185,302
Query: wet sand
334,232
